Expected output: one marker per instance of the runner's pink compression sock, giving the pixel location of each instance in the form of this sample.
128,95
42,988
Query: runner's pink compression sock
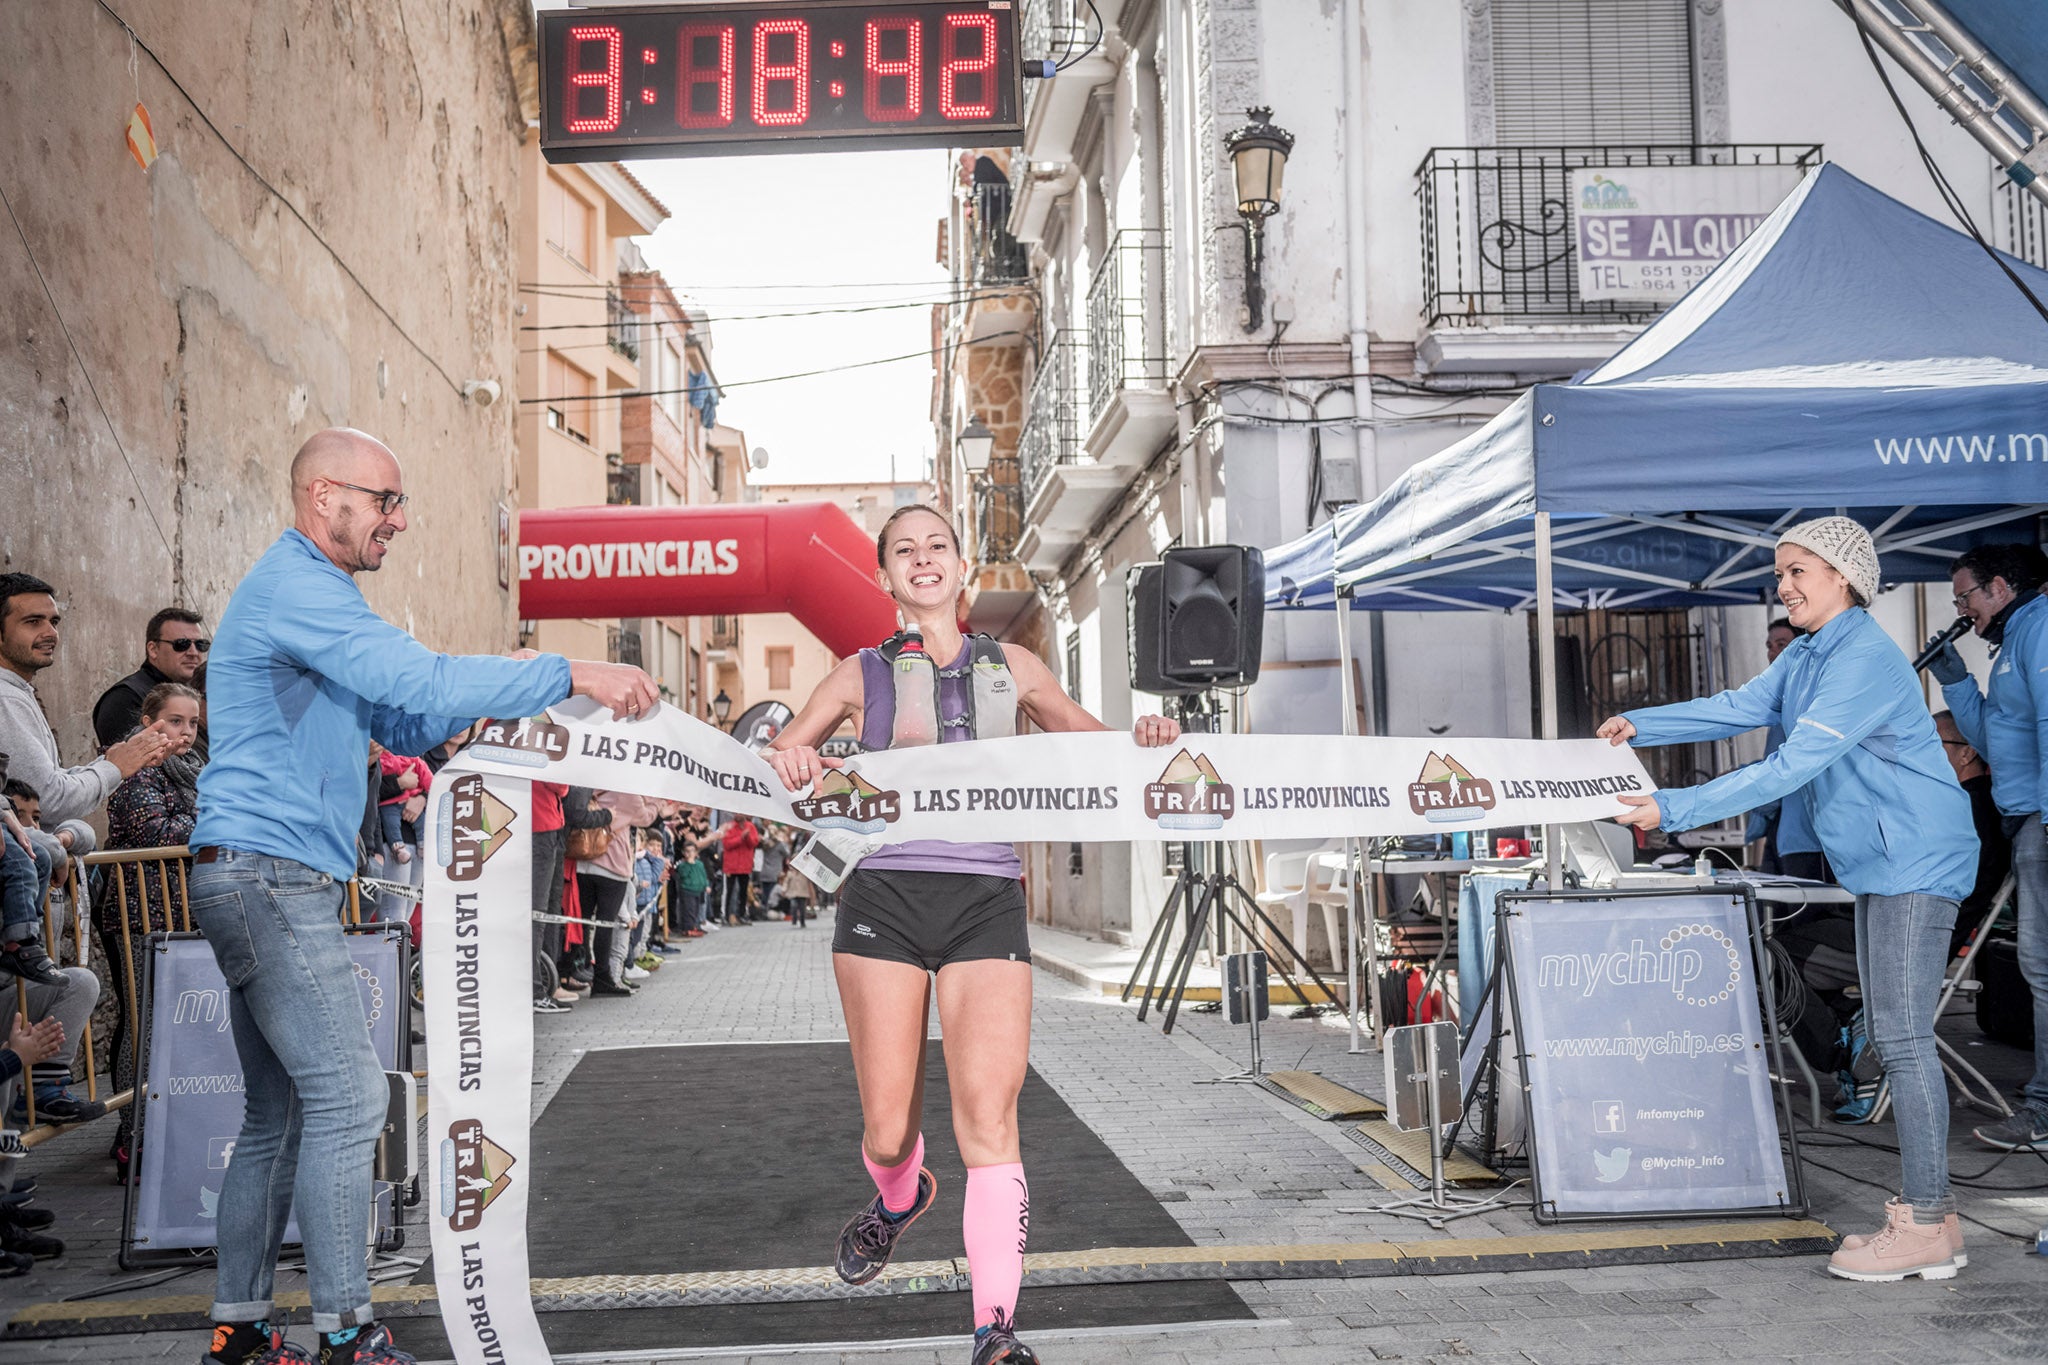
897,1183
996,1219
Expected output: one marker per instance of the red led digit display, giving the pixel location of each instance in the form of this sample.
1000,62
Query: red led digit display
587,76
689,79
892,81
704,79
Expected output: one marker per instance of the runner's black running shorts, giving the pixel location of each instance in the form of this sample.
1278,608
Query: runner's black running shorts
931,918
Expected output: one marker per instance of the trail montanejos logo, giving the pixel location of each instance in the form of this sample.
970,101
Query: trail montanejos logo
843,799
1190,794
473,1173
1447,792
473,825
530,742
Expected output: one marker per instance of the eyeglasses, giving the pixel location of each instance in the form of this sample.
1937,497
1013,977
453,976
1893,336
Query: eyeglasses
387,501
199,642
1962,599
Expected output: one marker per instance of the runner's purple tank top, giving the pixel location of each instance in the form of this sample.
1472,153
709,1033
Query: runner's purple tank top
878,701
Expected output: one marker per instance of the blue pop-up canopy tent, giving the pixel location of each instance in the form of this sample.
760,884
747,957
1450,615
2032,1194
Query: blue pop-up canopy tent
1851,355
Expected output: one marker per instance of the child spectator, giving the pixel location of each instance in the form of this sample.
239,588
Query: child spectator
693,882
410,777
797,894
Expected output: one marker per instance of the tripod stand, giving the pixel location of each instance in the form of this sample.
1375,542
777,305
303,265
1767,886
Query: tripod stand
1197,895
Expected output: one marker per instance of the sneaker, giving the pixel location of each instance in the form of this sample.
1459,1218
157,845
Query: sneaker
1903,1248
1951,1225
998,1342
26,1243
867,1243
13,1263
56,1104
667,949
610,988
549,1005
402,852
566,996
371,1345
636,973
26,1218
268,1349
27,959
693,933
2022,1128
651,961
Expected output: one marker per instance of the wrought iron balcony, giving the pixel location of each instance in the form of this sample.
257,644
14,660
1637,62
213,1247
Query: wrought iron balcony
998,257
621,326
622,646
725,633
998,514
1126,308
621,483
1498,235
1054,415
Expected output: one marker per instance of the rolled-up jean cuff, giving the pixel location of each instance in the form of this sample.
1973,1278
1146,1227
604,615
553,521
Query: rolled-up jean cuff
1935,1211
242,1312
335,1322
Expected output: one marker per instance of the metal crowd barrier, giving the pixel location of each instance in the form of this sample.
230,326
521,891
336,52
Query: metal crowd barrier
130,873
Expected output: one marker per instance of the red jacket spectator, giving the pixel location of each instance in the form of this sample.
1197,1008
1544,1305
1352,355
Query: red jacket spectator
547,806
393,765
740,840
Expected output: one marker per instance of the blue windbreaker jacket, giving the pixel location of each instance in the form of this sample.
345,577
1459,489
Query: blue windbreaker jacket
302,674
1860,752
2009,725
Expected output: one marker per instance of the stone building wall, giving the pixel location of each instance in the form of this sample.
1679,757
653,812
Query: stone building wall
326,238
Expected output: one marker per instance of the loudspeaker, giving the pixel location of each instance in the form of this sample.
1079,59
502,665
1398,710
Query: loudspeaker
1215,614
1145,628
2005,1003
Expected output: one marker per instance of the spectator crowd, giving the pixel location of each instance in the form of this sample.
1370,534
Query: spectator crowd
621,883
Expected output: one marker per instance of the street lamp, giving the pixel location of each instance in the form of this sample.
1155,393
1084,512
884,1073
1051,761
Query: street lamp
721,707
976,444
1258,156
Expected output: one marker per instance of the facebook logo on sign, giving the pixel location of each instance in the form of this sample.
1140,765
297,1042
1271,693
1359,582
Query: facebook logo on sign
219,1151
1607,1116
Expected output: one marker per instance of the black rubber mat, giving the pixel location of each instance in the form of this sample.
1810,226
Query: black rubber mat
747,1157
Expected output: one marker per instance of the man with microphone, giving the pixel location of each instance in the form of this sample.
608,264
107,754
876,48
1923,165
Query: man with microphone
1998,591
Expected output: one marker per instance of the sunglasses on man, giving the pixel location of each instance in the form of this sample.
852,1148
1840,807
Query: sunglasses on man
179,646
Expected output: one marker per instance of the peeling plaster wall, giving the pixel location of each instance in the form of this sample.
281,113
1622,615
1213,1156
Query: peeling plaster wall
325,239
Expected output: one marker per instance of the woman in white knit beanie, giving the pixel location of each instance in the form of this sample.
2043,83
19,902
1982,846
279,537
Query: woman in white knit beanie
1862,755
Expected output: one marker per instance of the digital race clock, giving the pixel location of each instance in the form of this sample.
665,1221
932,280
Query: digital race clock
676,80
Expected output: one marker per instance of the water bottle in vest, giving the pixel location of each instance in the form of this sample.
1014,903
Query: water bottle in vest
916,680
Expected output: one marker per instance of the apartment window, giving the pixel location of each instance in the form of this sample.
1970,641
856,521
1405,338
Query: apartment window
781,663
1604,72
570,222
570,394
671,381
1074,666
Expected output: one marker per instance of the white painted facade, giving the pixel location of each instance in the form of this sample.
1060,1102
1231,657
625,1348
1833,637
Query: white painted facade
1202,439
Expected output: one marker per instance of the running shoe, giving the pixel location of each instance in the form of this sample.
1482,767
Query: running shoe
57,1104
372,1345
867,1243
998,1342
2022,1128
549,1005
270,1350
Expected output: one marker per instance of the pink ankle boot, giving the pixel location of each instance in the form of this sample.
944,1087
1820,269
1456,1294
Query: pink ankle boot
1902,1248
1951,1225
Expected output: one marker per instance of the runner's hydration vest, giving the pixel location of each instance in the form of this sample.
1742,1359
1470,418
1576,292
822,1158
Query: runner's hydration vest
986,707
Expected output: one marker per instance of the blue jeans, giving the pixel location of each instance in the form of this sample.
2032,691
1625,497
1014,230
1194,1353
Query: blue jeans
2030,877
1901,954
23,878
311,1081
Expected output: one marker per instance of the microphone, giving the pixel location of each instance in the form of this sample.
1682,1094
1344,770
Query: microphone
1940,642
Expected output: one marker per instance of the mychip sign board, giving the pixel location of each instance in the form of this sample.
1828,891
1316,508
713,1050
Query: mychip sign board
1647,1055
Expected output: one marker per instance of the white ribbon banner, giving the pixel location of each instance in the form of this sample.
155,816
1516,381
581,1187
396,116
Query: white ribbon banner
477,947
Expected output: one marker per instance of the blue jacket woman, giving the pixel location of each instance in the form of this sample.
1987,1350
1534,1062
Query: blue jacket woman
1862,757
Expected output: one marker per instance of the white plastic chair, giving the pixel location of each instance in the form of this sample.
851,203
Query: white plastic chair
1308,878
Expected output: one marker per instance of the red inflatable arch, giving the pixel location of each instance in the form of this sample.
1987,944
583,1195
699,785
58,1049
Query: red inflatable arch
806,558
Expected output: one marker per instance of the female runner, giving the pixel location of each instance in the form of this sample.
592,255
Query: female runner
1862,757
927,906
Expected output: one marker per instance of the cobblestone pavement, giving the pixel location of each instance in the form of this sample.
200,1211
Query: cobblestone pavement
1233,1164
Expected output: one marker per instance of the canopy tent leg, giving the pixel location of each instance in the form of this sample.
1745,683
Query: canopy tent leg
1546,680
1358,871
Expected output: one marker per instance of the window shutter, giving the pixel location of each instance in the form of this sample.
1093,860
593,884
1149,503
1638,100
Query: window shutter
1600,72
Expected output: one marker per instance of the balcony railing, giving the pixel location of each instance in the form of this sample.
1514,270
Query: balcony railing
1054,415
1126,341
999,258
622,646
621,326
725,633
998,514
1498,235
621,483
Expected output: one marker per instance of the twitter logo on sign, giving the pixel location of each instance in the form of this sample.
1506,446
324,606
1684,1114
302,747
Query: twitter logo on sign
1611,1167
